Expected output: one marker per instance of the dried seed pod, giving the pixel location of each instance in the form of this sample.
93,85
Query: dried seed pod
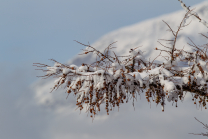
68,91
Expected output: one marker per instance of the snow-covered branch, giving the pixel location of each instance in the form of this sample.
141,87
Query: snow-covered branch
113,80
183,5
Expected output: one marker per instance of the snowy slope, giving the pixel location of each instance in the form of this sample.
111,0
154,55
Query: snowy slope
145,34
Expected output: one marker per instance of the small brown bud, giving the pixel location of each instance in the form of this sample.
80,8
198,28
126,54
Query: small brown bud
68,91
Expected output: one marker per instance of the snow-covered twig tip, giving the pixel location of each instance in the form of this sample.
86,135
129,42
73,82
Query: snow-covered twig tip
183,5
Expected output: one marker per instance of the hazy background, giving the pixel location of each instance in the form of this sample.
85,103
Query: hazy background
35,31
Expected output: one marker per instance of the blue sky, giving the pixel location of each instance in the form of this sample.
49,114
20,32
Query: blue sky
35,31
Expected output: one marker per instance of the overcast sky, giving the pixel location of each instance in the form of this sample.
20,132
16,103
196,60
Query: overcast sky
38,30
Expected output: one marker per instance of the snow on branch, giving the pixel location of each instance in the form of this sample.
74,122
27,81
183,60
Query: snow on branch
183,5
113,80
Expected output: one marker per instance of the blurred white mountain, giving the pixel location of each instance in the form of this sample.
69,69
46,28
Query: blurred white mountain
147,33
